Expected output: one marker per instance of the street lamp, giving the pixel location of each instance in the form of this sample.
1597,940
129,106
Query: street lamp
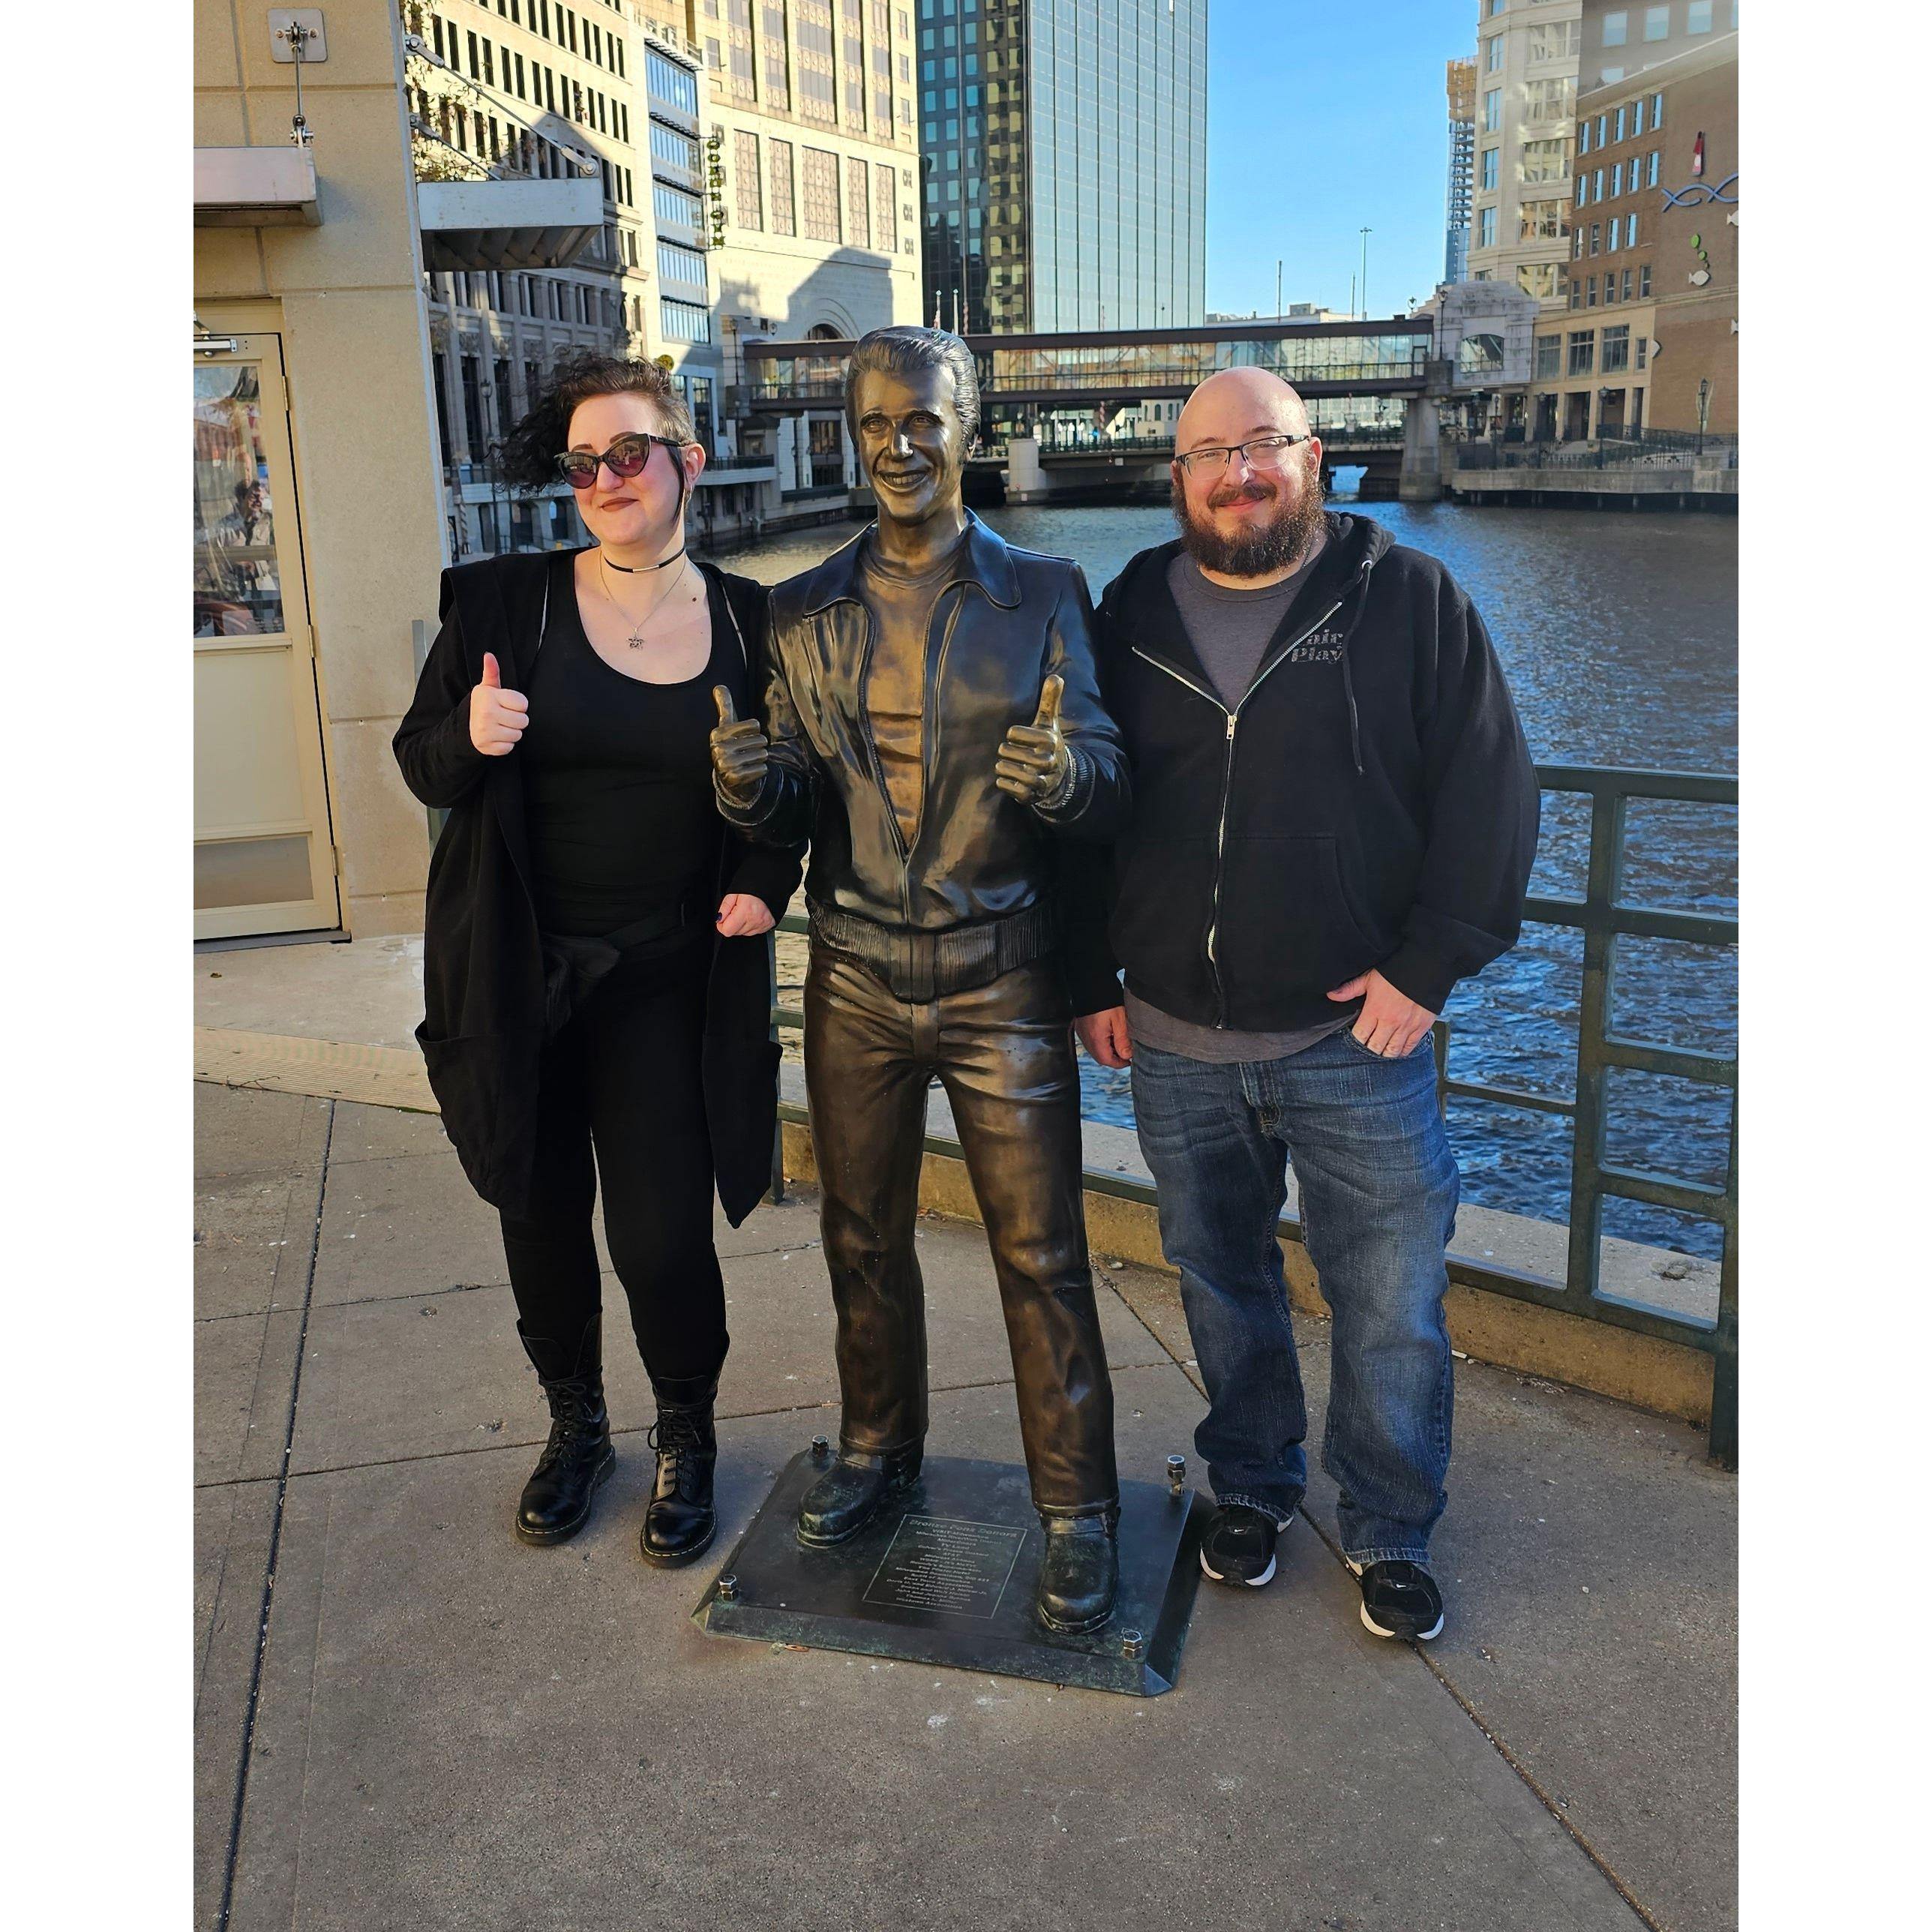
1366,233
1703,410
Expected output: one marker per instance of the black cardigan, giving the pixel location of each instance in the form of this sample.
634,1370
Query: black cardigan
482,1032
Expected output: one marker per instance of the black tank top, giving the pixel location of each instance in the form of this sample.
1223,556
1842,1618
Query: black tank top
622,822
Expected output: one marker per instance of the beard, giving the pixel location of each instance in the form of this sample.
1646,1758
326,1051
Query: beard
1265,547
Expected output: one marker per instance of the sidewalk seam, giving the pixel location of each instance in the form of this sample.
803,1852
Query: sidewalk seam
281,1481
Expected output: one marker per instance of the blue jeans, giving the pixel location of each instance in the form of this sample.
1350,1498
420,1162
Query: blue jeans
1378,1187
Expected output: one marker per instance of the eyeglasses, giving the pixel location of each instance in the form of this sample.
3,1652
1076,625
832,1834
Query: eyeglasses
1262,452
625,457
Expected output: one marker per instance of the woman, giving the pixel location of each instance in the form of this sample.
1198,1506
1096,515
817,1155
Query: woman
594,973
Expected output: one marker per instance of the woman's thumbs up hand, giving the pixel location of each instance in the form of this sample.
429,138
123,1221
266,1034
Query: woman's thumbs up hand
497,717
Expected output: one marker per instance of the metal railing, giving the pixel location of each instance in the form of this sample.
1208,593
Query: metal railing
1602,916
1640,449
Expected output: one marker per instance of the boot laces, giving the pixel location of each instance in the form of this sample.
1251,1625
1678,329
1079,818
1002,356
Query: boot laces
675,1429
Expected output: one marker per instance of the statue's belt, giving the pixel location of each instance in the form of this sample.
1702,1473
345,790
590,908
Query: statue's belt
925,966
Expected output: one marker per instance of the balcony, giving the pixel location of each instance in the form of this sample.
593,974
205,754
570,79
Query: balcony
255,187
508,224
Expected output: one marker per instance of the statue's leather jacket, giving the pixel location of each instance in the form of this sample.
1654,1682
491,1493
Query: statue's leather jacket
1007,620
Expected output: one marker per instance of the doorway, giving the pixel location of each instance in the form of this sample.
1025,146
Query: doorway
264,855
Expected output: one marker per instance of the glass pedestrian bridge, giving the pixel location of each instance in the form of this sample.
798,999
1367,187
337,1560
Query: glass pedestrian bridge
1358,358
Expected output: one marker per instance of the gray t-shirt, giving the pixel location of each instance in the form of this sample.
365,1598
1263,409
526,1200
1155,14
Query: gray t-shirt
1230,630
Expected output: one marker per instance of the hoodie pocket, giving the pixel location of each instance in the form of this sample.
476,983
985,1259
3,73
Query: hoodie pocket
1161,915
1285,924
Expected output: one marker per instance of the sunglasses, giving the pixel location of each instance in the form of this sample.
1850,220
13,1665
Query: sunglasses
625,457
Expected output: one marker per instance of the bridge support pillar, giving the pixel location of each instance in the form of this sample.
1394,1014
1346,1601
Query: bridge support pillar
1026,481
1421,453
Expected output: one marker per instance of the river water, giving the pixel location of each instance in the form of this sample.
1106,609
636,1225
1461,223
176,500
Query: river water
1618,635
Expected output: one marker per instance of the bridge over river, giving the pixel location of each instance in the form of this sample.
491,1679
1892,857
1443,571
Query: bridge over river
1090,416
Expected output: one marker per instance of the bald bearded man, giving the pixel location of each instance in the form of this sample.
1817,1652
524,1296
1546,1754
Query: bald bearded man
1336,815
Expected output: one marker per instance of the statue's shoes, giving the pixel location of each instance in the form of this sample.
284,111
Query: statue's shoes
851,1492
1080,1573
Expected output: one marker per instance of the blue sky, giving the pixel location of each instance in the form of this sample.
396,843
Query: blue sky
1323,118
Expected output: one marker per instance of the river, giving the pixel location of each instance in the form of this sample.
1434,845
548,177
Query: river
1618,634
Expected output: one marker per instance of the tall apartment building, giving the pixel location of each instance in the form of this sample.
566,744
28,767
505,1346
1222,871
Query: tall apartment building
1063,163
508,89
1526,63
1461,81
1650,339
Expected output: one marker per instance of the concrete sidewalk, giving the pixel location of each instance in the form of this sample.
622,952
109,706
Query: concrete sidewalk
405,1719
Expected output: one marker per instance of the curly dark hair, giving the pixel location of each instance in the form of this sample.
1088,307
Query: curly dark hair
528,455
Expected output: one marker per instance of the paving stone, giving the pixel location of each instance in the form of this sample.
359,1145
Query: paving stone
404,1225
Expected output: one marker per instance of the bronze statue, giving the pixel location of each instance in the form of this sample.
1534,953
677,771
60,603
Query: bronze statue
933,724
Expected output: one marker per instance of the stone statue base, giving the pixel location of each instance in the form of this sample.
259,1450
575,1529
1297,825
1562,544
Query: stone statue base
945,1574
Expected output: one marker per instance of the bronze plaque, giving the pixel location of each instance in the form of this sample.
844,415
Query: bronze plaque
944,1563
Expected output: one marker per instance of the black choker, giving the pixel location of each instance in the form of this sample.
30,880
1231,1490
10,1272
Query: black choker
637,569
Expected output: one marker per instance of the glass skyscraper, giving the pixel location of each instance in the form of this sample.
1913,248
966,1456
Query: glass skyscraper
1063,163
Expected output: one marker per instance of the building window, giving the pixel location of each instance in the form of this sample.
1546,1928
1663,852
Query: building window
1620,112
1583,139
1629,231
1548,101
1543,280
1577,244
1637,117
1656,23
1656,113
858,201
683,321
1541,221
1616,348
680,265
1486,228
1596,237
1561,41
821,195
1643,283
1490,170
1610,289
1493,111
1616,27
1612,240
744,168
1697,17
675,208
1643,350
1492,54
1582,189
1650,180
1582,352
1576,292
1548,356
885,219
1545,161
1590,292
785,212
1617,179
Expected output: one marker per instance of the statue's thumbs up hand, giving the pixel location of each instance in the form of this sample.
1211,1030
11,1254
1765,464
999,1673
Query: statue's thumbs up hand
1034,760
739,751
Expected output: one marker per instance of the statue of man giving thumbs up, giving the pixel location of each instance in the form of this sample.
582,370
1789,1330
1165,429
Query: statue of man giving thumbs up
935,727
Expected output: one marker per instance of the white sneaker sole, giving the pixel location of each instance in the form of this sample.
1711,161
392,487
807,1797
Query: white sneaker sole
1375,1629
1253,1582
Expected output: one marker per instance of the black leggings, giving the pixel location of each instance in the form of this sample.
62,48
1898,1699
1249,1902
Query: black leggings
624,1075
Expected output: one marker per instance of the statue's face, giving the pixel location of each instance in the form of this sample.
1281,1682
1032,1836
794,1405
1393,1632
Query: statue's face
910,440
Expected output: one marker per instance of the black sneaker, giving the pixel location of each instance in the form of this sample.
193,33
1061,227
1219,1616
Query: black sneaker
1238,1545
1399,1600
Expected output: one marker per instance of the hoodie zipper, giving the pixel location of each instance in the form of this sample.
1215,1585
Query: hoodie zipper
1228,775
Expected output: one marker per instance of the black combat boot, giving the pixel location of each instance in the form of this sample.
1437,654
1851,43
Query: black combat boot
850,1493
679,1520
1080,1572
556,1501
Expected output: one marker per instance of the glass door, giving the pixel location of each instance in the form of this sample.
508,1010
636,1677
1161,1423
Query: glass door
264,858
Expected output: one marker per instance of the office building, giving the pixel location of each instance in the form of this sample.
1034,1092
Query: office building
1621,41
1462,91
1063,163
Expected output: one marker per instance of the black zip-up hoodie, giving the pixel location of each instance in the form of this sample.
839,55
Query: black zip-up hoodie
1370,801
